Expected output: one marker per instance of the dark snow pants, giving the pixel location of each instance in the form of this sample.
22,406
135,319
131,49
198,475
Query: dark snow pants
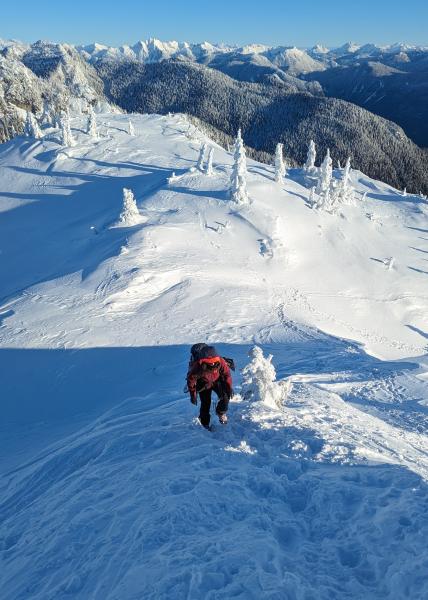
205,398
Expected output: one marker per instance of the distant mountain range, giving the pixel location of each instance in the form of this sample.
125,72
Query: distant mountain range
280,94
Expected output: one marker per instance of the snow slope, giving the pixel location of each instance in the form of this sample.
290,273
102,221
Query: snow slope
108,486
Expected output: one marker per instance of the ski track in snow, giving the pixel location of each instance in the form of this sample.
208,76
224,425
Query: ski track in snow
110,488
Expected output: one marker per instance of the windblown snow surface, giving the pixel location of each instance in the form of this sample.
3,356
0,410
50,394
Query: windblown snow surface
109,488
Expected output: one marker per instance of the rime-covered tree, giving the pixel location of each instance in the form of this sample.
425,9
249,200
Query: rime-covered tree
311,157
66,135
131,129
238,180
201,159
345,184
92,123
324,181
279,164
209,167
259,380
47,116
130,214
31,127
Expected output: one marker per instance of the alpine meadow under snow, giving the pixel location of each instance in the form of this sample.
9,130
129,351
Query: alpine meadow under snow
124,239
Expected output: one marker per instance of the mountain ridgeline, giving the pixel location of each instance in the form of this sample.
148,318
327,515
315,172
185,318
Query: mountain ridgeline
268,114
274,95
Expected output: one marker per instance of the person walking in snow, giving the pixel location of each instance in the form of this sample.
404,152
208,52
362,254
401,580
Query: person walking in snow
209,372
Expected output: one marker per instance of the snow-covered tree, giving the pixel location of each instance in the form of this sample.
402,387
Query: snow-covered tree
92,123
66,135
312,200
130,214
311,158
342,192
209,167
324,181
259,380
279,164
345,184
238,182
31,128
131,129
47,116
404,193
201,159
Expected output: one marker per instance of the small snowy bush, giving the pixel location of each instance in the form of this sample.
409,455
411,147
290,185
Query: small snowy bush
130,214
259,380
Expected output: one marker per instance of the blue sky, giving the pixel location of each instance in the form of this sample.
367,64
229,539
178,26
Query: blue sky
300,23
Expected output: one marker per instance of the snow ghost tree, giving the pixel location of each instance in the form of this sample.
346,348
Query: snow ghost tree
345,191
47,117
31,127
131,129
312,155
324,182
259,380
66,135
130,214
238,182
279,164
92,123
200,163
209,167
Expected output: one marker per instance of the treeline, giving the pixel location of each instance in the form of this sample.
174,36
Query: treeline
268,114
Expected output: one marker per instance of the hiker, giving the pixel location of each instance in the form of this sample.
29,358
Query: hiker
207,372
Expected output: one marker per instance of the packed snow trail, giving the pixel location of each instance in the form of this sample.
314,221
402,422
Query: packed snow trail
109,488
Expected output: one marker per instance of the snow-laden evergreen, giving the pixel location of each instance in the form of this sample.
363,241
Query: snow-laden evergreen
209,167
344,191
238,180
279,164
311,157
259,380
130,214
31,127
324,182
131,129
201,157
67,138
91,129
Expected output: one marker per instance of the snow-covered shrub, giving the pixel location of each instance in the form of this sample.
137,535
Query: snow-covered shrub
209,167
279,164
92,123
31,128
130,214
238,183
66,135
131,129
259,380
200,163
311,157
